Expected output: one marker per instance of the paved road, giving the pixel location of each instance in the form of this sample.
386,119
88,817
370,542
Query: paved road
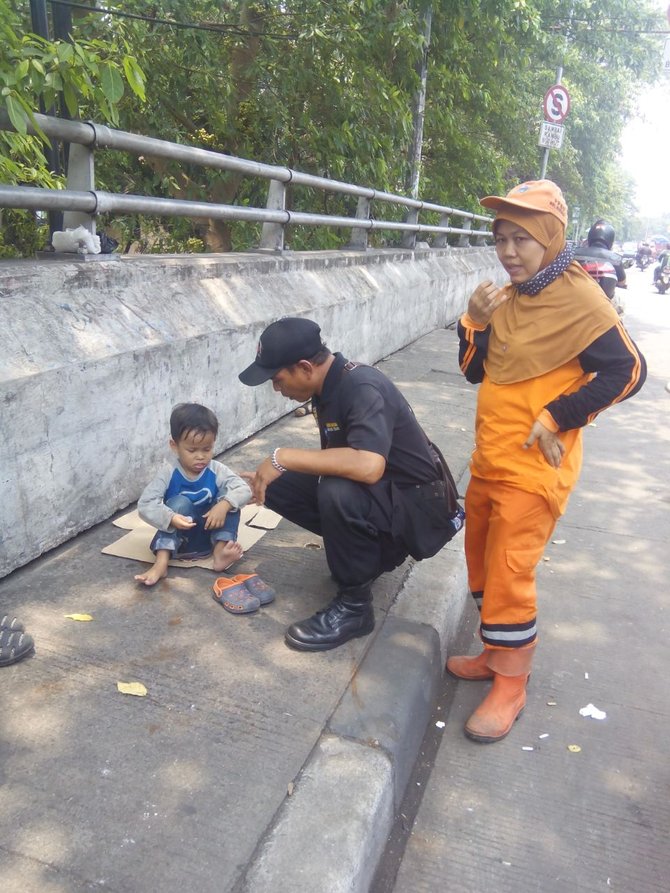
249,767
528,814
242,747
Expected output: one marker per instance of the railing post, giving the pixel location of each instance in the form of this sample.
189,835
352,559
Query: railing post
80,177
272,234
409,237
464,240
359,237
440,240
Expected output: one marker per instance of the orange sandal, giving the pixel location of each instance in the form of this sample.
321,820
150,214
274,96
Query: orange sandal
264,593
234,596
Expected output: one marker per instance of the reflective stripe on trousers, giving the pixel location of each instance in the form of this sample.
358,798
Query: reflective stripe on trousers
506,530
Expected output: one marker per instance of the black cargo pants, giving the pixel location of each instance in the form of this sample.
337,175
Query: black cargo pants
353,519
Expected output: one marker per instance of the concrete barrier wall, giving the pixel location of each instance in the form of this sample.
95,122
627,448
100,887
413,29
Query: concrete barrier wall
95,354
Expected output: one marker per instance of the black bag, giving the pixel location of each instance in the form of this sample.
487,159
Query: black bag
427,516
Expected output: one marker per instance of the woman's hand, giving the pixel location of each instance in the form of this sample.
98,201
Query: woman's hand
551,446
484,301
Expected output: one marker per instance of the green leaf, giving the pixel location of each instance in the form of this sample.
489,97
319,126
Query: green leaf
65,51
111,83
134,76
70,99
17,114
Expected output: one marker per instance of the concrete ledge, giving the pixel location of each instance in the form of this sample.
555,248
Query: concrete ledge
95,356
391,696
330,834
437,594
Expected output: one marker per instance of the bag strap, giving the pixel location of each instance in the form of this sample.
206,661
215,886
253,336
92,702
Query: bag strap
447,476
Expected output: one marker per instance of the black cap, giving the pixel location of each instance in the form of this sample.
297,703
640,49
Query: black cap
282,344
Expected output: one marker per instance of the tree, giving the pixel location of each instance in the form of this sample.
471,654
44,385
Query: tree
89,75
329,88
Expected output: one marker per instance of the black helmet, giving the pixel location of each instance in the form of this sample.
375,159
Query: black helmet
601,234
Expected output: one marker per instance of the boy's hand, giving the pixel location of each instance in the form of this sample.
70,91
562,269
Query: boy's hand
182,522
216,516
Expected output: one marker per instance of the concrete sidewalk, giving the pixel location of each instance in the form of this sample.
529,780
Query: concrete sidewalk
531,813
248,766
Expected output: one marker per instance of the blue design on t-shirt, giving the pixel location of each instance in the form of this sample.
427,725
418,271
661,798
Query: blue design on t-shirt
202,492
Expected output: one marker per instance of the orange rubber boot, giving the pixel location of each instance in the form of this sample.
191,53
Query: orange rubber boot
472,668
499,710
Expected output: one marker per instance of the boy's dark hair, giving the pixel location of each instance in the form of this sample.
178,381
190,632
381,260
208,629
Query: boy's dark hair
189,417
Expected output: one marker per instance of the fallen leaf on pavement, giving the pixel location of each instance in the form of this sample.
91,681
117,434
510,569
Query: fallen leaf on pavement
82,617
132,688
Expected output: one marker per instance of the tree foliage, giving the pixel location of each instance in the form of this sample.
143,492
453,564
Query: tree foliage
328,88
84,77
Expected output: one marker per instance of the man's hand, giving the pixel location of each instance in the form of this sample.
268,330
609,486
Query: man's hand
550,444
216,516
259,481
484,301
182,522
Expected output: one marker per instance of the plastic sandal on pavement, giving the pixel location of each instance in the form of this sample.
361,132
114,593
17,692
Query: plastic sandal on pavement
14,646
264,593
234,596
12,623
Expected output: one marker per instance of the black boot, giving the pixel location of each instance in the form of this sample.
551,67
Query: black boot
348,616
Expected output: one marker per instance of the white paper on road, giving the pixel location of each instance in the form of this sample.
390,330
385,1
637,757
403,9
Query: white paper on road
592,711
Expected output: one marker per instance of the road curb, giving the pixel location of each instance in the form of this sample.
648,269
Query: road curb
330,833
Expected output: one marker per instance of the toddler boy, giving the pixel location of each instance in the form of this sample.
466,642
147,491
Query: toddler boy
195,504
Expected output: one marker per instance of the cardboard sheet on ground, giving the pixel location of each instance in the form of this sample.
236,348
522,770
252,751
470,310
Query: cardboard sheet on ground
135,543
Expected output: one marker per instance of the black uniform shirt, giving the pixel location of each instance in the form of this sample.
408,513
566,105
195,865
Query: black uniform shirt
361,408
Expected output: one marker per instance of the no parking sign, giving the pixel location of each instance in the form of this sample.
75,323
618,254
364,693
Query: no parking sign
556,104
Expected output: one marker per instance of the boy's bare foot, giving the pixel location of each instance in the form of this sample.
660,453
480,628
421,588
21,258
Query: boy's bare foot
153,575
226,553
156,572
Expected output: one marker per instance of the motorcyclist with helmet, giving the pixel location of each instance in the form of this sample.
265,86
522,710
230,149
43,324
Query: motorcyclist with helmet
663,264
599,245
644,255
600,262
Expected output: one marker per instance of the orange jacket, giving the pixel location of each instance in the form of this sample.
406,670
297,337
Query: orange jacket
564,399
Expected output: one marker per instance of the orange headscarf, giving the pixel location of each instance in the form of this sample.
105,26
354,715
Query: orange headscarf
534,334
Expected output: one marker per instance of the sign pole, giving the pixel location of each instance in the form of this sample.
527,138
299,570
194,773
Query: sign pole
545,154
545,159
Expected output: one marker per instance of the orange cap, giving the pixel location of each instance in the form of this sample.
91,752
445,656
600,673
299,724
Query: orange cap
534,195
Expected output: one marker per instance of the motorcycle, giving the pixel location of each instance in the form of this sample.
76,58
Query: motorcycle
662,280
605,275
643,261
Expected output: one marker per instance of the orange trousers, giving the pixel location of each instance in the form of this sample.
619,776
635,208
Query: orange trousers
506,530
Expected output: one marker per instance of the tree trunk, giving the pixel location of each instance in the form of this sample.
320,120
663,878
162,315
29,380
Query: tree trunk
419,110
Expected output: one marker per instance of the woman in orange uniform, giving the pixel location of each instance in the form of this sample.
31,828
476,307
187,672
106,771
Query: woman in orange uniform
550,353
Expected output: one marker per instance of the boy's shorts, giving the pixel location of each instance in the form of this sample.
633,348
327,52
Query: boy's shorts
196,542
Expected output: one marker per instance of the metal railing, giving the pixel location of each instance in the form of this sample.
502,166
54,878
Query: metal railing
82,202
